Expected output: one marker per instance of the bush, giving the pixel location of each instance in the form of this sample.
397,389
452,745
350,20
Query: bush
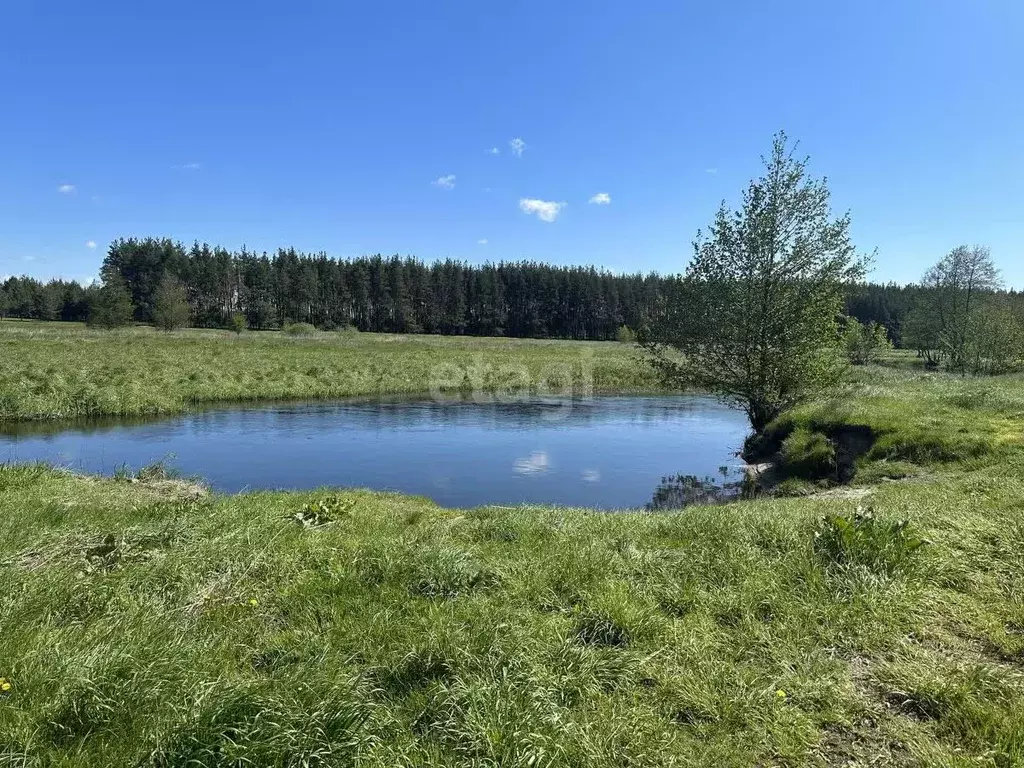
996,343
299,329
864,343
237,323
863,540
625,335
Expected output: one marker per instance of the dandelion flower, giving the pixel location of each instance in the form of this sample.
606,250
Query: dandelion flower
780,694
253,602
5,685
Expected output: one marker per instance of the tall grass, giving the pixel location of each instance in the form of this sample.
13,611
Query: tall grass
62,370
889,417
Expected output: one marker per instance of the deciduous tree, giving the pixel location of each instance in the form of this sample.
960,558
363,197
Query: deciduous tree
170,304
757,324
864,342
956,290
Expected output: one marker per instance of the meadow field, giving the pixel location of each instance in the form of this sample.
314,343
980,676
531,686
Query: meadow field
146,621
66,370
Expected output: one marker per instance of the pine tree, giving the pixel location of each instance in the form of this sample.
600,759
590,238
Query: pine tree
111,305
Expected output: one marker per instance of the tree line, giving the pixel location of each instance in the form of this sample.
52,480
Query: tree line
372,293
522,299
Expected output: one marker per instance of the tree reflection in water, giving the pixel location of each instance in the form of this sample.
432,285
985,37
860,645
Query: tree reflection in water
678,491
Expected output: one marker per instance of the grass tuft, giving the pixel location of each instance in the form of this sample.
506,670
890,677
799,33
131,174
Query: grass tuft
882,546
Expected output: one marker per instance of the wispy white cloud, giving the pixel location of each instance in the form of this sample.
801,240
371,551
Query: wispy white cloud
482,241
193,166
66,189
591,476
90,244
493,151
601,198
711,170
545,210
517,145
537,463
445,182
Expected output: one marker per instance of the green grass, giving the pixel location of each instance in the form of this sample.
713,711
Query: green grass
145,622
64,370
901,419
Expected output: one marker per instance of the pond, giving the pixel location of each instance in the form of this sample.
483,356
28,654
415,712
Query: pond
602,452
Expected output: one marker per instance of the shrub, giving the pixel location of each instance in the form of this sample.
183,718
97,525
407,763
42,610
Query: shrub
864,343
299,329
625,335
881,546
237,323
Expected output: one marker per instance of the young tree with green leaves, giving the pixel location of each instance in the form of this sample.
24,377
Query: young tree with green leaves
922,333
996,341
864,342
956,290
756,324
170,304
111,305
237,323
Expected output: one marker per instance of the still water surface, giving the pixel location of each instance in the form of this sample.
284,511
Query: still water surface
604,452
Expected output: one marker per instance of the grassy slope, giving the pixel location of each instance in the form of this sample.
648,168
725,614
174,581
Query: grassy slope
913,418
61,370
219,630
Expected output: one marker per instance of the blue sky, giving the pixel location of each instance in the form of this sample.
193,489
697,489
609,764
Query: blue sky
327,125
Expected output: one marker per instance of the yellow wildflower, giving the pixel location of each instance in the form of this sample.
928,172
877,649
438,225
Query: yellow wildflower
5,685
780,694
253,602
